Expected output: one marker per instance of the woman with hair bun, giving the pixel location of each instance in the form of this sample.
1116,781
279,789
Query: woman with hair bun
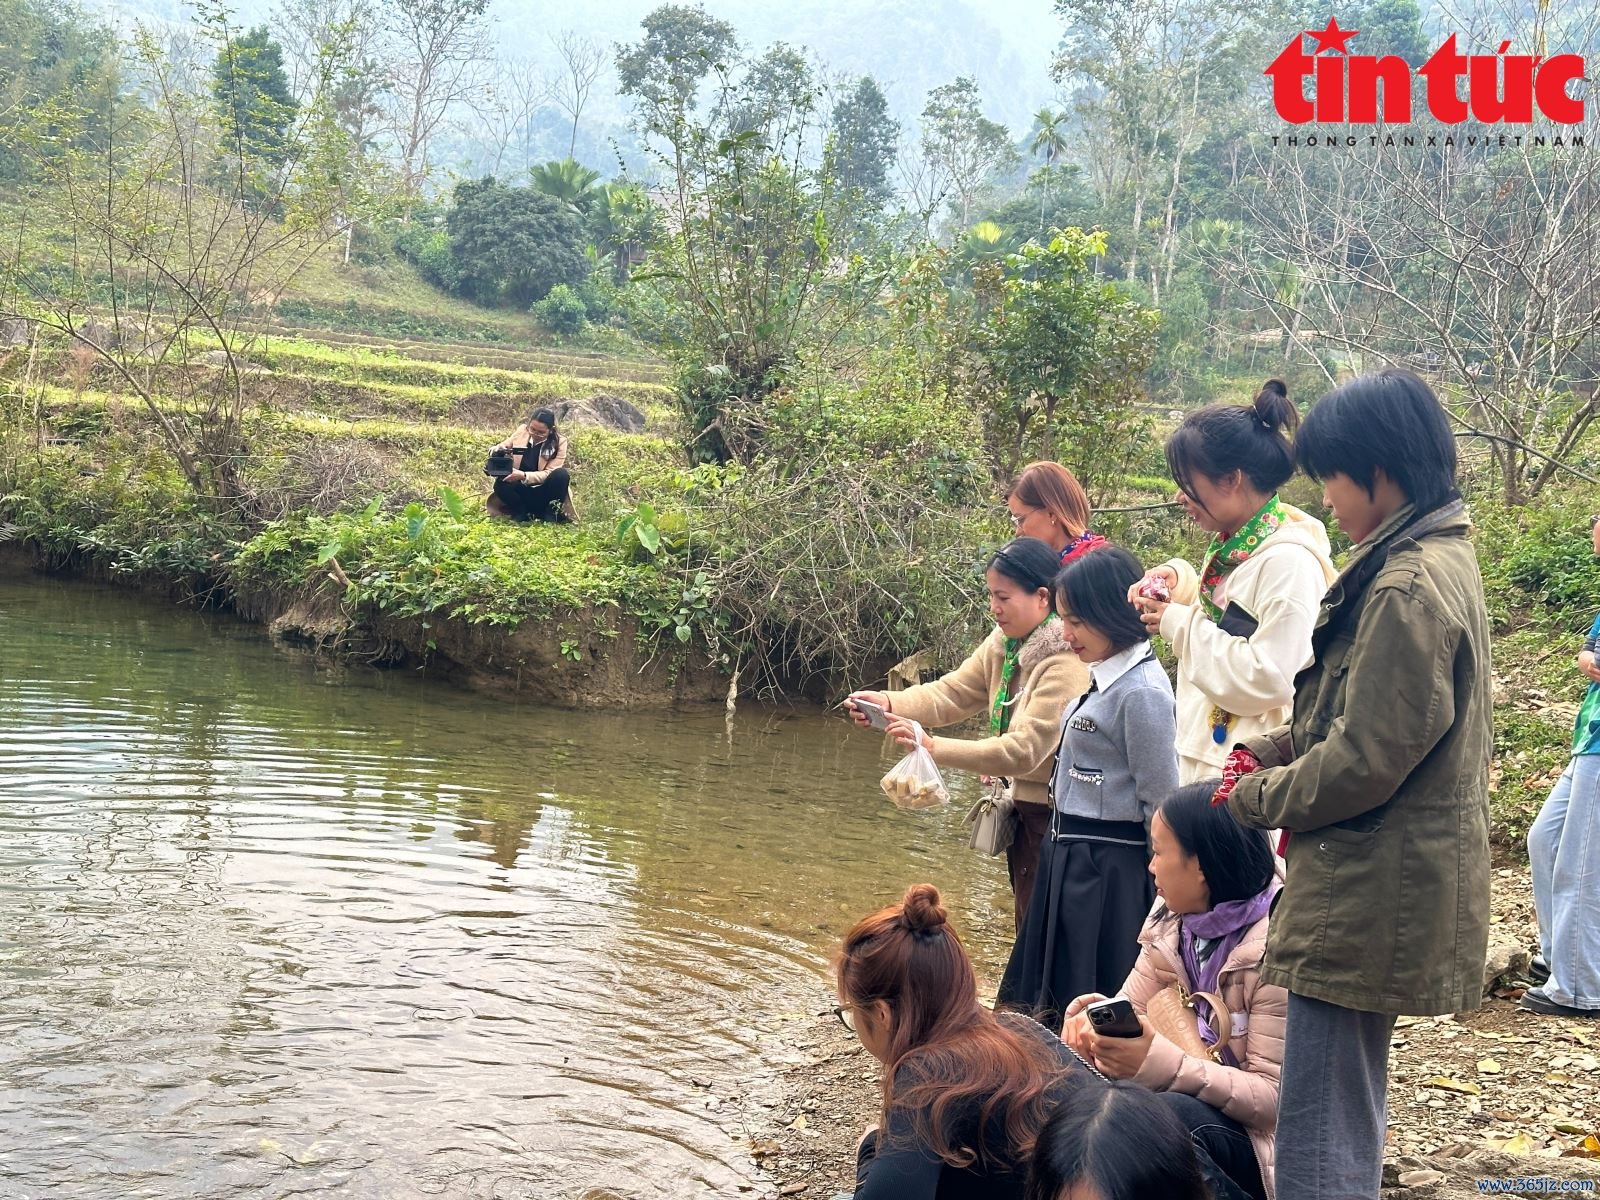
1047,502
965,1091
1240,626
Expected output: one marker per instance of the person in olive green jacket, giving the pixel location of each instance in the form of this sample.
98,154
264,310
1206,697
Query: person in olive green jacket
1380,782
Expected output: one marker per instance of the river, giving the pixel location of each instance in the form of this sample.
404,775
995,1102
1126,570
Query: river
273,927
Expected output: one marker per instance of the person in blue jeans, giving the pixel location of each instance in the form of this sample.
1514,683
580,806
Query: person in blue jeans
1564,853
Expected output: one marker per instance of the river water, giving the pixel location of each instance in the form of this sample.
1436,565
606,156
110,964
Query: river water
270,927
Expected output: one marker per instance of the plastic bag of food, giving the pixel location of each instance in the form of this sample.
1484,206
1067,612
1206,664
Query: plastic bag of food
914,781
1154,587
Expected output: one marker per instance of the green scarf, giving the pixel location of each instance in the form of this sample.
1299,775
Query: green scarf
1223,556
1000,711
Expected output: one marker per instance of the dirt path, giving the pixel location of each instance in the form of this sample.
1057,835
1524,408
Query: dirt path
1496,1094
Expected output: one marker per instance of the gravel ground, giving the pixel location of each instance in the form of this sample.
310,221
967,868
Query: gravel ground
1496,1094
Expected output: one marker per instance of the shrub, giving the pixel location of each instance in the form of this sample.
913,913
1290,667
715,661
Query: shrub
562,311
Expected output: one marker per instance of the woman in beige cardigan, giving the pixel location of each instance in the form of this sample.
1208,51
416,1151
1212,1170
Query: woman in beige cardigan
1208,932
1021,680
539,488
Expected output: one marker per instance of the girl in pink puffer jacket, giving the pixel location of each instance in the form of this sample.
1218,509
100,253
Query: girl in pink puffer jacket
1207,932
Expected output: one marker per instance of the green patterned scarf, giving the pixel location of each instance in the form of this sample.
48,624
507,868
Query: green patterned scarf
1000,711
1223,556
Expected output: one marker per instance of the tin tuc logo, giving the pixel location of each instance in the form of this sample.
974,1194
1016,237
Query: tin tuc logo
1501,87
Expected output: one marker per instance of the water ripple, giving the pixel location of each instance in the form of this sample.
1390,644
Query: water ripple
264,935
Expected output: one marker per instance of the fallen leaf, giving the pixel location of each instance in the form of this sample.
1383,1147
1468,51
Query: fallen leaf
792,1189
1570,1127
799,1122
1488,1066
1588,1148
1520,1144
1453,1085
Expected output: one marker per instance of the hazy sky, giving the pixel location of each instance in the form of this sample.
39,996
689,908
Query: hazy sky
908,45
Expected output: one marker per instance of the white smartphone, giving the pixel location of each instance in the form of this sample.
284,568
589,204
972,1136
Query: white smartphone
876,716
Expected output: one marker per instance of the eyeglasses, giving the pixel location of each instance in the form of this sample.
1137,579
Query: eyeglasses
1016,521
847,1016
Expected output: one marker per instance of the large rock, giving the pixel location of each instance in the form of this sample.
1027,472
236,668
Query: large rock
16,332
100,334
600,412
1505,960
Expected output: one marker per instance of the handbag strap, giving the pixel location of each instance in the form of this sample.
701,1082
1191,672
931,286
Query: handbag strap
1222,1019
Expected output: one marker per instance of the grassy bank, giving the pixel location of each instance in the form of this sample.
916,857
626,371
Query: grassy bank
364,504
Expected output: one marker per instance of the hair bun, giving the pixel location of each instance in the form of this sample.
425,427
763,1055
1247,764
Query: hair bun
921,910
1273,409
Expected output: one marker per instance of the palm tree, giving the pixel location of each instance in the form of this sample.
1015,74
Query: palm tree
985,242
620,221
1049,139
567,180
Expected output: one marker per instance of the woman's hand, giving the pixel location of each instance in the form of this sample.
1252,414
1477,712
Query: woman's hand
859,717
514,477
1075,1031
1118,1057
1151,612
1588,665
904,731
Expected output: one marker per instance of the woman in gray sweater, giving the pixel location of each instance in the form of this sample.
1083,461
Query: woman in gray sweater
1116,762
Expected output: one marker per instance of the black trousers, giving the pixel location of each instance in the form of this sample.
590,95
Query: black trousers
1229,1160
535,502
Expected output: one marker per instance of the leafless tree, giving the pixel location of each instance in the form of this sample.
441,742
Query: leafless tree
583,60
1446,251
1148,80
505,107
437,53
159,281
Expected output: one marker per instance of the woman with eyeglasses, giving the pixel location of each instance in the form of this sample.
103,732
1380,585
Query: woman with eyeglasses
1240,626
539,487
965,1091
1021,678
1047,502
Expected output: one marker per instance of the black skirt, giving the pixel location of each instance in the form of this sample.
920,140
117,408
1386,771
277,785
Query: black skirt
1081,933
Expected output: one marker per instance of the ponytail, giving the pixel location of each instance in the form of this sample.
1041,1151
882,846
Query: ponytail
1252,439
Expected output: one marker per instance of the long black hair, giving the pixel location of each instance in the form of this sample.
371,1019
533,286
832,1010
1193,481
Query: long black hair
1236,861
1028,562
1389,421
1220,439
1123,1141
1094,589
552,440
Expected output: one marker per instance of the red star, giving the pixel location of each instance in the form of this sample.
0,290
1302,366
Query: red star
1332,38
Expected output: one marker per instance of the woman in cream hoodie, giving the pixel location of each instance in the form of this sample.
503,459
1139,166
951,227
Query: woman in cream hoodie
1240,627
